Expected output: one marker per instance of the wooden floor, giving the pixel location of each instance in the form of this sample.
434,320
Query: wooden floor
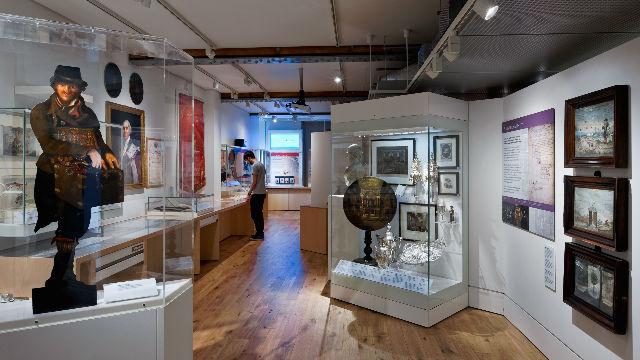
270,300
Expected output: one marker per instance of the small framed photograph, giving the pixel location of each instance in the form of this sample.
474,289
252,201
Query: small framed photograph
417,221
448,183
597,129
445,151
391,160
596,210
596,285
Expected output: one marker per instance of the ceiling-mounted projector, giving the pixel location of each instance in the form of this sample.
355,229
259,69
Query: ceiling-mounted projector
300,104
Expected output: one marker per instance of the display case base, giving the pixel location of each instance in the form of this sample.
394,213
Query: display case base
399,310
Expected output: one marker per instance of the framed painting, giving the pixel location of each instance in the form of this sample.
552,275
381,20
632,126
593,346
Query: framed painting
391,160
125,137
596,210
417,221
154,163
596,285
596,129
191,144
445,151
448,183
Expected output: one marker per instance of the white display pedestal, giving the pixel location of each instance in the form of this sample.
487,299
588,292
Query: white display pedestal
145,329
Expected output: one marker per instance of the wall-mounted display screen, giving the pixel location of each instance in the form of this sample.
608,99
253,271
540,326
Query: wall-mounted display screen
281,140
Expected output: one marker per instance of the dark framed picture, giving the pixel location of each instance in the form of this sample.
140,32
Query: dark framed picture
391,160
417,221
125,137
597,285
596,129
112,80
596,210
445,151
448,183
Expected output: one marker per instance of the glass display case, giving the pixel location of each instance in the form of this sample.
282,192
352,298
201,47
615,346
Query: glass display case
398,241
92,124
17,203
236,173
179,206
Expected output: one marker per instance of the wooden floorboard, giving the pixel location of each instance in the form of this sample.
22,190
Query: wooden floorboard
270,300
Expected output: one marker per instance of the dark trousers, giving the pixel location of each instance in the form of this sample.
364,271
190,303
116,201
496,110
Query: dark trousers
256,203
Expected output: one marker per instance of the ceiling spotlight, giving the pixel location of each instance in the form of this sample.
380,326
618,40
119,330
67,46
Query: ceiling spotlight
274,119
266,96
486,8
234,95
435,67
248,81
276,104
452,50
337,80
246,103
216,85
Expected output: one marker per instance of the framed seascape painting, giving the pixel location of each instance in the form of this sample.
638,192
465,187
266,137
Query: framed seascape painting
446,149
596,285
597,129
448,183
391,160
417,221
125,137
595,210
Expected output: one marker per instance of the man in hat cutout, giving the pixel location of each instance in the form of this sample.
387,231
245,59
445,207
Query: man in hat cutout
68,180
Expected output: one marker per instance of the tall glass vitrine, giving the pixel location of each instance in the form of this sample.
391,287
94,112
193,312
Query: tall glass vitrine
398,216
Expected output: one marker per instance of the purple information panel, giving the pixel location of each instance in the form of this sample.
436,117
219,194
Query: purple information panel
528,173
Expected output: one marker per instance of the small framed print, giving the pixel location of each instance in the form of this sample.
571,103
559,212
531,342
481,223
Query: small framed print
446,149
596,129
153,176
417,222
448,183
596,285
391,160
595,210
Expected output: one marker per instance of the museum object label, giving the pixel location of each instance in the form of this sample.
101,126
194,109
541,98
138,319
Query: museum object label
128,290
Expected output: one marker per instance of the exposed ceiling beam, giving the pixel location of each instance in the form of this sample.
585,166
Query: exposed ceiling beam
302,54
293,95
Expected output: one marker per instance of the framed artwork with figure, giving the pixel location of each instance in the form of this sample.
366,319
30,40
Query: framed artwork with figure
596,210
445,151
596,129
125,136
391,160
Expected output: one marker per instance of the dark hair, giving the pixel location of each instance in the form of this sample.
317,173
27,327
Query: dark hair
249,155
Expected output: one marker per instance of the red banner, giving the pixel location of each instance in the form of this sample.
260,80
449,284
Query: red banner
191,144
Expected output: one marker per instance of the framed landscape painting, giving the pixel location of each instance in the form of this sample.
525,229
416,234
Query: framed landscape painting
596,285
597,129
596,210
391,160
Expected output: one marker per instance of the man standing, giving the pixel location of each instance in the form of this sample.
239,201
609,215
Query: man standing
257,194
130,156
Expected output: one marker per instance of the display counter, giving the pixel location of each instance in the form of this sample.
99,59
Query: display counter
283,197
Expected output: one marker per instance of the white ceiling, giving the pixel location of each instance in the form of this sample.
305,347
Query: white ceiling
259,23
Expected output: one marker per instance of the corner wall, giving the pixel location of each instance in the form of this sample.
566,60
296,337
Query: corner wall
506,264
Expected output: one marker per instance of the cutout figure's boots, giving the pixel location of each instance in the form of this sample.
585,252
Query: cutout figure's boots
62,291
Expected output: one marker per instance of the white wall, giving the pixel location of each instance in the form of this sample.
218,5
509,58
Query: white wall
508,260
236,124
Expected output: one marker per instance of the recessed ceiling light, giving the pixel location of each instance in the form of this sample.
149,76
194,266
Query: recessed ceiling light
337,80
486,8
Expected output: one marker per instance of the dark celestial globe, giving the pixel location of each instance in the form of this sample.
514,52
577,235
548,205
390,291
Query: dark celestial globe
370,203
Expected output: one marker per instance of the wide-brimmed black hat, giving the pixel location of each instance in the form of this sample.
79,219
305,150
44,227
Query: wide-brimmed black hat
68,75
